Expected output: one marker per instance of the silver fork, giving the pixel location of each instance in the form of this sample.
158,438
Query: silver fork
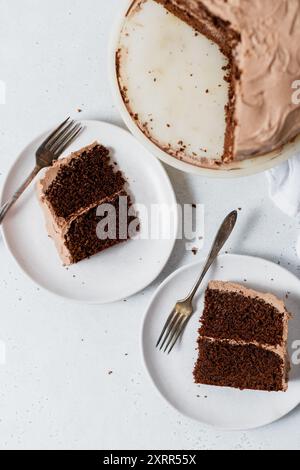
183,309
49,151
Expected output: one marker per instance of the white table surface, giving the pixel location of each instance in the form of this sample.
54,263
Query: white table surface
55,387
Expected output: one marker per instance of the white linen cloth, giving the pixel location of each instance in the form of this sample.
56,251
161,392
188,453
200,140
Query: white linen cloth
284,188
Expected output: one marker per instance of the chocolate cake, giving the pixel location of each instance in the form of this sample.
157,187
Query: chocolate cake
243,340
259,40
70,194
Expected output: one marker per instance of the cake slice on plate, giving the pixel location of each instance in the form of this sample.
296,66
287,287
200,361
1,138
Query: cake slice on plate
243,339
71,192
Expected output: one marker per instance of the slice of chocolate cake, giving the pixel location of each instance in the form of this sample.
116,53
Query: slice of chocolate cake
243,339
71,194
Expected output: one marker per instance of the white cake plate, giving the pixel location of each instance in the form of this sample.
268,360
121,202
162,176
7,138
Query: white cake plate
156,48
116,273
172,376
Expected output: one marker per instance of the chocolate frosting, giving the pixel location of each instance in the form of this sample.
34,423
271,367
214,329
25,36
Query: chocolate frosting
268,57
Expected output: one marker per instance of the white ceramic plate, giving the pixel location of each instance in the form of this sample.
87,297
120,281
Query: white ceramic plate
116,273
142,48
172,375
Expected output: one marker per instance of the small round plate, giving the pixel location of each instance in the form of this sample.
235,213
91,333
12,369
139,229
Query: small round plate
172,375
237,169
116,273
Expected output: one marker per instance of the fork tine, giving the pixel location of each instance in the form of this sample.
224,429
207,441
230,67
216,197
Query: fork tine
174,331
54,133
64,141
68,142
165,327
64,135
60,135
179,333
170,329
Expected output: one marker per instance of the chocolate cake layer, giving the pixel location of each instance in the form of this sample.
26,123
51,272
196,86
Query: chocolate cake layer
231,315
82,238
86,179
239,366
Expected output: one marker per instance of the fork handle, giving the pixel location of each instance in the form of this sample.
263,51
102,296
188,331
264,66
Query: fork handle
221,238
7,206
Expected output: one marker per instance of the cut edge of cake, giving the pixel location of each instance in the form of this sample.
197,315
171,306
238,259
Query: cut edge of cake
210,347
218,31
